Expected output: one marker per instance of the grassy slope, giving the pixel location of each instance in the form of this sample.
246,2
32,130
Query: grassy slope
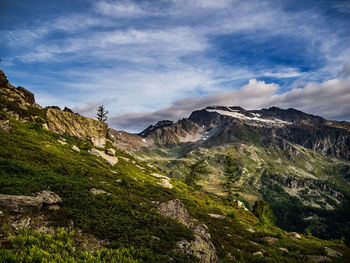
289,205
31,160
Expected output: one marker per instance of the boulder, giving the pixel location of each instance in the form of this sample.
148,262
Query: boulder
216,216
201,246
75,125
75,148
332,253
18,203
98,191
240,204
48,197
109,159
175,210
165,183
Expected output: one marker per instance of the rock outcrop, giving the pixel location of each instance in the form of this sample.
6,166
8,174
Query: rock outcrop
75,125
202,246
19,203
112,160
18,95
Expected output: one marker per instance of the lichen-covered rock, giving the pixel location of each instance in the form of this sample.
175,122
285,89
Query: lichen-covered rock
332,253
19,95
18,203
48,197
175,210
202,246
112,160
75,125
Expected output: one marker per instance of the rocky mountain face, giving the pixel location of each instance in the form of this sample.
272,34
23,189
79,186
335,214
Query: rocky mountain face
20,104
75,125
296,161
218,125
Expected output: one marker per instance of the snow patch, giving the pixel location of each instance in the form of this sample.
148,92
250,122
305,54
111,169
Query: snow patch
256,118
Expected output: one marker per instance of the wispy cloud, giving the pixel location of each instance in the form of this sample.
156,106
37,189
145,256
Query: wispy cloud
149,54
119,8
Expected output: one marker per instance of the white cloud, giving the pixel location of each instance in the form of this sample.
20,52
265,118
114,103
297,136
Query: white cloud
119,8
329,99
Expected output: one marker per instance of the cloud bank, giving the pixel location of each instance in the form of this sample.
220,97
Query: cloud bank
330,98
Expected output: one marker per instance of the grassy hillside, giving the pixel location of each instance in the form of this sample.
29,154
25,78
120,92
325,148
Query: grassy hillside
293,181
123,224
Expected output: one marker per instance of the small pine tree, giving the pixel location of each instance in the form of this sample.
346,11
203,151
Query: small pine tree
101,113
232,172
197,171
262,210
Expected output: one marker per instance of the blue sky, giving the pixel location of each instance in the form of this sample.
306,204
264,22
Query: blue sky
150,60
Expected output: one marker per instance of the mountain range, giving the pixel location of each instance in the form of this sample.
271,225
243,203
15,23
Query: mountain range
72,189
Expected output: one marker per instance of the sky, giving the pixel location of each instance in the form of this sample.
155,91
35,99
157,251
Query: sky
151,60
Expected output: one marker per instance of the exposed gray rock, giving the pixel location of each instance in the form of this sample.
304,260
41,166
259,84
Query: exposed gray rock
216,216
18,203
48,197
165,183
286,180
176,210
160,176
201,246
98,191
112,160
316,258
332,253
